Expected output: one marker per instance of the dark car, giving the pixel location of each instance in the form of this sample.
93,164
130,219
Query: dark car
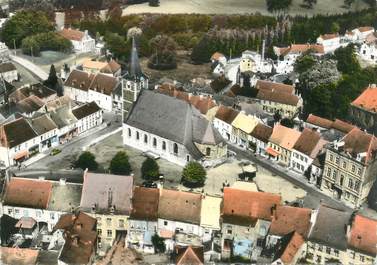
149,184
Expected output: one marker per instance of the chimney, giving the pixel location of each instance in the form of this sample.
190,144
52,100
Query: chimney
110,198
62,181
273,212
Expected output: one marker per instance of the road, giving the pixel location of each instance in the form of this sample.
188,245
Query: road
35,69
314,195
70,150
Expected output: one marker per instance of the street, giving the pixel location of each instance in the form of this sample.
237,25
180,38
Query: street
314,195
70,150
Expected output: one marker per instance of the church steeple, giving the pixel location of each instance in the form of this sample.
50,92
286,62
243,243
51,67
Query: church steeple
134,71
133,82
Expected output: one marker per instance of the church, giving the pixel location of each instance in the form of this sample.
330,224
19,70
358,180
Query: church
166,126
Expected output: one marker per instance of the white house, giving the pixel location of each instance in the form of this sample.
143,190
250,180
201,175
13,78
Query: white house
43,200
287,55
223,122
330,42
179,218
4,52
88,116
81,41
9,72
306,149
362,33
143,219
368,51
85,87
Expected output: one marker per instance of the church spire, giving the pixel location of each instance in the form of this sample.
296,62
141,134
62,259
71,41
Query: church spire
134,71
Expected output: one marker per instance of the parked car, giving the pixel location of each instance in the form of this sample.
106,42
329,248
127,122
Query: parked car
149,184
55,151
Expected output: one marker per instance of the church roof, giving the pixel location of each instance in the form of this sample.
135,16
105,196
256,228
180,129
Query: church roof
153,113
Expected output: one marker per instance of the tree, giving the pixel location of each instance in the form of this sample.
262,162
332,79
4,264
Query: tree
304,63
24,24
120,164
347,61
193,175
278,5
52,81
158,243
201,53
163,53
287,123
86,161
309,3
277,116
150,169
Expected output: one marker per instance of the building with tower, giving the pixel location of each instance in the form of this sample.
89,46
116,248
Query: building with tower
133,82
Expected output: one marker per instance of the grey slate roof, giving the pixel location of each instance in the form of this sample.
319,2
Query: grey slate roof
172,119
330,227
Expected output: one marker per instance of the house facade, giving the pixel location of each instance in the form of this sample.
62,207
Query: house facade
107,198
258,139
9,72
243,125
350,166
330,42
81,40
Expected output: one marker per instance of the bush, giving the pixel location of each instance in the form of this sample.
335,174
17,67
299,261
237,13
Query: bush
150,169
120,164
193,175
158,243
45,41
86,161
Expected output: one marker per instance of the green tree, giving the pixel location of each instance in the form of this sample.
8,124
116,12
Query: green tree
287,123
86,161
201,53
194,174
347,61
120,164
304,63
150,169
23,24
158,243
278,5
163,53
52,81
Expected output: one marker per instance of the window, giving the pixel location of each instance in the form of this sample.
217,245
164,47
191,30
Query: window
353,255
121,223
38,214
353,168
357,185
108,221
336,252
154,142
99,231
331,158
350,183
229,231
52,216
129,132
329,172
334,174
145,138
137,136
163,145
320,248
175,149
344,164
9,211
165,223
109,233
359,171
337,160
188,158
361,258
328,250
208,151
16,211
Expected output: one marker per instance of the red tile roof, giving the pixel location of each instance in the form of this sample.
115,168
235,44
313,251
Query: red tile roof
358,142
18,256
216,56
262,132
226,114
342,126
299,48
319,121
284,136
80,237
28,193
309,143
189,255
277,96
367,99
329,36
292,248
202,103
248,205
145,203
287,219
272,86
72,34
363,235
364,29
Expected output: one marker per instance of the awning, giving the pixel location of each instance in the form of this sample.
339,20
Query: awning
20,155
166,234
272,152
